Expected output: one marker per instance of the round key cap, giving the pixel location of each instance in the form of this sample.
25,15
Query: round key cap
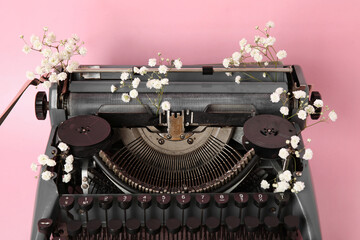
202,200
124,201
163,201
45,226
251,223
115,227
193,224
144,201
212,224
282,199
132,226
271,223
291,222
85,203
66,202
260,199
232,223
241,199
153,226
221,200
183,200
105,202
74,228
94,227
173,225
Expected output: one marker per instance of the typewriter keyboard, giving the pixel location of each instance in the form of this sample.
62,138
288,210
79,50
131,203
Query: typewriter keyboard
184,216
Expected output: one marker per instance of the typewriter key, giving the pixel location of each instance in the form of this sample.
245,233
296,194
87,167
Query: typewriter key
45,226
66,202
85,204
74,228
115,227
260,200
133,227
241,201
124,202
153,227
94,227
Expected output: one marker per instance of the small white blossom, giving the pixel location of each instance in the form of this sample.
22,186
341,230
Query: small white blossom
308,154
26,49
269,41
34,167
284,110
136,70
66,178
149,84
282,187
229,74
39,70
299,94
63,147
133,93
163,69
287,141
256,39
283,153
164,81
242,43
125,97
318,103
165,106
30,75
53,78
46,52
177,64
50,38
266,64
285,176
113,88
68,167
308,140
34,38
72,66
152,62
281,54
46,84
37,45
333,116
248,48
135,83
236,56
297,154
279,90
270,24
226,62
298,187
264,184
258,57
156,83
237,79
264,75
82,51
50,162
124,76
254,52
69,159
274,97
46,175
294,141
62,76
75,37
301,115
143,71
309,109
54,59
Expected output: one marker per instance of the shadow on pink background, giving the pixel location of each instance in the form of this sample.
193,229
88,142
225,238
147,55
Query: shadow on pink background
321,36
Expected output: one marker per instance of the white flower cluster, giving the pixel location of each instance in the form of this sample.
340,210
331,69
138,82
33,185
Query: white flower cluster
285,182
156,80
56,63
293,143
262,48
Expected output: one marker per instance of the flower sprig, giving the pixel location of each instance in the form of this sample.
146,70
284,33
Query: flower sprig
57,61
284,181
262,51
157,80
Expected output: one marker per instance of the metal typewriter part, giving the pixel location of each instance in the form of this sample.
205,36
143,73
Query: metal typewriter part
193,172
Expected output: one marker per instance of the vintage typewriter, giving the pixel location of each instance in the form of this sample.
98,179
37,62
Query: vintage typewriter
193,172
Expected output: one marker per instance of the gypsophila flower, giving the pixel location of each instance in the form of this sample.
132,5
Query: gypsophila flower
53,78
42,159
68,167
149,84
308,154
133,93
62,76
30,75
242,43
143,71
177,64
287,141
46,175
264,184
46,84
258,57
236,56
228,74
156,83
135,83
248,48
285,176
281,54
63,147
301,115
46,52
333,116
284,110
69,159
318,103
282,187
152,62
66,178
26,49
164,81
163,69
274,97
124,76
283,153
294,141
309,109
82,51
270,24
37,45
226,62
34,167
50,162
308,140
125,97
34,38
298,187
279,90
113,88
136,70
237,79
297,154
165,106
264,75
299,94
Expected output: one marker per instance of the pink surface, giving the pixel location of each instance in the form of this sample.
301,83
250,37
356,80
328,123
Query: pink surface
320,36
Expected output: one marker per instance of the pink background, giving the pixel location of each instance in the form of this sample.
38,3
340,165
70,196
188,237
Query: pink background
321,36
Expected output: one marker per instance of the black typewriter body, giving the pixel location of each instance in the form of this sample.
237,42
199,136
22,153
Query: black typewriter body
189,173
